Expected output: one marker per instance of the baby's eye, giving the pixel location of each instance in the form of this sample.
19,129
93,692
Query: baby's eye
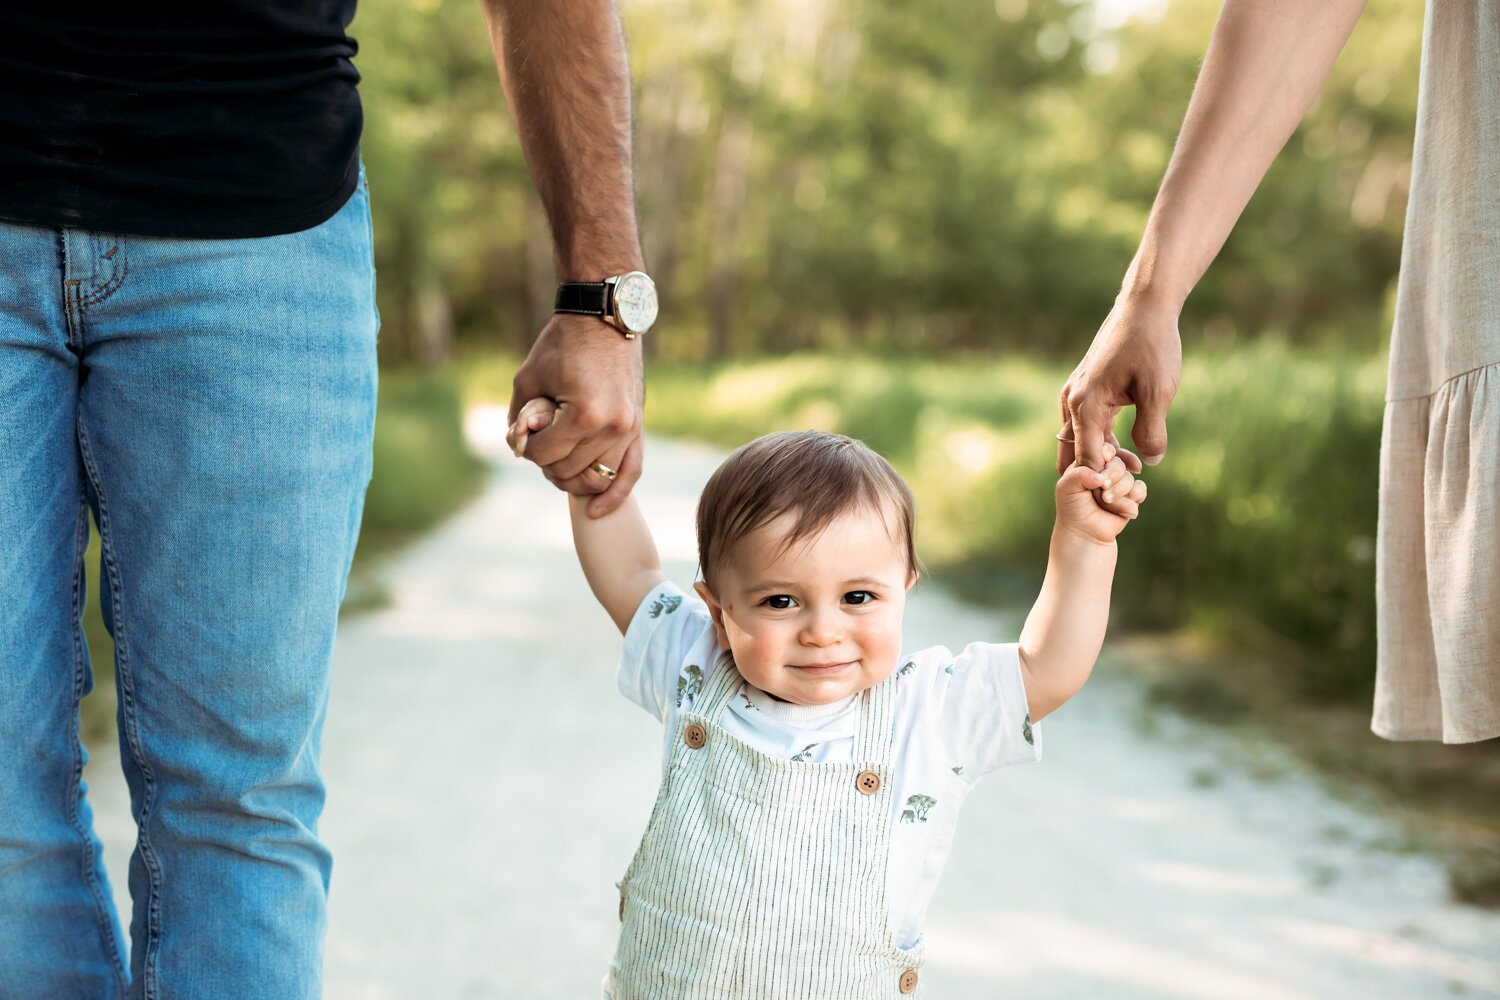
779,602
858,597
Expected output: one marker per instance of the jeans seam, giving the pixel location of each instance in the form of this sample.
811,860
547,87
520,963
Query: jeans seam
131,735
116,279
106,925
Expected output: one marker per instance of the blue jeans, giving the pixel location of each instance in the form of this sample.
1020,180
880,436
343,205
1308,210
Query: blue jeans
212,402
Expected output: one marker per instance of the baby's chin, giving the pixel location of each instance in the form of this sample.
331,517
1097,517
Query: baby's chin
826,692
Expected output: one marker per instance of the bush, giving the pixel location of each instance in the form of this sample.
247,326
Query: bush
423,468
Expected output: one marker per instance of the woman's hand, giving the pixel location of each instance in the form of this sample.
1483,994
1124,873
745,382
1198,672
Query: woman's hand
1135,360
1119,501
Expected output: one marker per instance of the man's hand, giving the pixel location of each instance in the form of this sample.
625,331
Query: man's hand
1135,360
595,377
562,64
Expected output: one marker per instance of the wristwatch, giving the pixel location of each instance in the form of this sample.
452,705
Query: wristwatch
626,302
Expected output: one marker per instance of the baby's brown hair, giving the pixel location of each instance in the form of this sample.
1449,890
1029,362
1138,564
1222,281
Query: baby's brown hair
813,475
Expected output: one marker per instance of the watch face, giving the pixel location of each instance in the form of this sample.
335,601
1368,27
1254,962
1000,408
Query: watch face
635,302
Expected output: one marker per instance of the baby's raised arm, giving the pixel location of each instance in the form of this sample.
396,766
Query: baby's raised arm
616,551
1065,630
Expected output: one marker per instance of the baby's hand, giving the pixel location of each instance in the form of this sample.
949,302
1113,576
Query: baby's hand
534,416
1078,509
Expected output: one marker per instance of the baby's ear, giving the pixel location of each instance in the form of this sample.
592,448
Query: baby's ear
714,610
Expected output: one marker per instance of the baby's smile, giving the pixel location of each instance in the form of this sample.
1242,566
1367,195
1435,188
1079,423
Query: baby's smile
823,669
818,620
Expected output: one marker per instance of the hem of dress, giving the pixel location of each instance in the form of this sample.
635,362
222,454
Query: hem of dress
1444,382
1416,734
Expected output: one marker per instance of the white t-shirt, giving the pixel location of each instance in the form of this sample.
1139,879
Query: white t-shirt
957,717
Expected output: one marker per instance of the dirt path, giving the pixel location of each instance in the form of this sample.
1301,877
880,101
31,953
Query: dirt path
488,786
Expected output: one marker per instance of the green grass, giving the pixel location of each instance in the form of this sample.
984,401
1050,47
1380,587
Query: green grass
423,469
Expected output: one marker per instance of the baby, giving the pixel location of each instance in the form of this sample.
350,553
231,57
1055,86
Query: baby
813,771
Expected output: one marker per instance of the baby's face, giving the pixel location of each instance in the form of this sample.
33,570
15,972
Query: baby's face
817,621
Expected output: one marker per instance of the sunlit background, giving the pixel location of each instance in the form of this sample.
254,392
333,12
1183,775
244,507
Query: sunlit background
904,220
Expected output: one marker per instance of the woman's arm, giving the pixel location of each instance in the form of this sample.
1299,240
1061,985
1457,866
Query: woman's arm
1265,63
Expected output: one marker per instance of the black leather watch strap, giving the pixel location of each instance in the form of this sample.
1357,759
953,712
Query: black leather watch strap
587,298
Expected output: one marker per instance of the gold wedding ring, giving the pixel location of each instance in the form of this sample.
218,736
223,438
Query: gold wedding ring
1064,440
603,470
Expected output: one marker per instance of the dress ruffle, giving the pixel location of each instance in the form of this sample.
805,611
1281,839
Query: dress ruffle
1438,564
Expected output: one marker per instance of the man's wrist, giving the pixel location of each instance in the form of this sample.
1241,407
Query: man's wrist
625,301
596,266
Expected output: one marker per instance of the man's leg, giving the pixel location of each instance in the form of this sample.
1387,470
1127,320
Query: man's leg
59,935
227,413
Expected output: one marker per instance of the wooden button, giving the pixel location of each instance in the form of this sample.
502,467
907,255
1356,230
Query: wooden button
868,782
694,736
908,980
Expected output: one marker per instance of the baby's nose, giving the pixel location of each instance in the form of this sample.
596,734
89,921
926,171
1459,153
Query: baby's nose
821,630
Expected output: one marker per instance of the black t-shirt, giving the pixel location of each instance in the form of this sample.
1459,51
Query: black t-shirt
166,118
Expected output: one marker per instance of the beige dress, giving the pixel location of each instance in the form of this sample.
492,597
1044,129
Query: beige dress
1438,561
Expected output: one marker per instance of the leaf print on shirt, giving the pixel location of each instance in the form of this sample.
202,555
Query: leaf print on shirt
665,605
916,808
745,694
907,668
1026,730
805,755
948,670
958,769
689,683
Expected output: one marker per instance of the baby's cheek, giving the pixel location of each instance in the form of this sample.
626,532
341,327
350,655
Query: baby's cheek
884,644
750,648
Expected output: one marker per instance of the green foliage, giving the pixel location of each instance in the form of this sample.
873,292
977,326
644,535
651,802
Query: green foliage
1259,528
451,200
96,712
828,174
423,468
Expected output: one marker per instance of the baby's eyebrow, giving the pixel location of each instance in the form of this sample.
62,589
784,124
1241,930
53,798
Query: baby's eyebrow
773,585
765,586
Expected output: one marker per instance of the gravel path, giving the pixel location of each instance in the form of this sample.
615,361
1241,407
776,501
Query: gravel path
488,786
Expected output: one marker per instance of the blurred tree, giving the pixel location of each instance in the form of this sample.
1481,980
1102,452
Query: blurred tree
892,175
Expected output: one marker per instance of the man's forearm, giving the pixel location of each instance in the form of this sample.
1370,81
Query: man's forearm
1265,63
562,64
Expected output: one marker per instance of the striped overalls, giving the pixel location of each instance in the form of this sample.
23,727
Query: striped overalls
761,878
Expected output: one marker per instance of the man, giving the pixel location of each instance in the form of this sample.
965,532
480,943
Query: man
187,348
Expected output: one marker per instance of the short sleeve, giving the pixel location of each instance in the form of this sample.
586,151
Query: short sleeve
985,720
669,648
